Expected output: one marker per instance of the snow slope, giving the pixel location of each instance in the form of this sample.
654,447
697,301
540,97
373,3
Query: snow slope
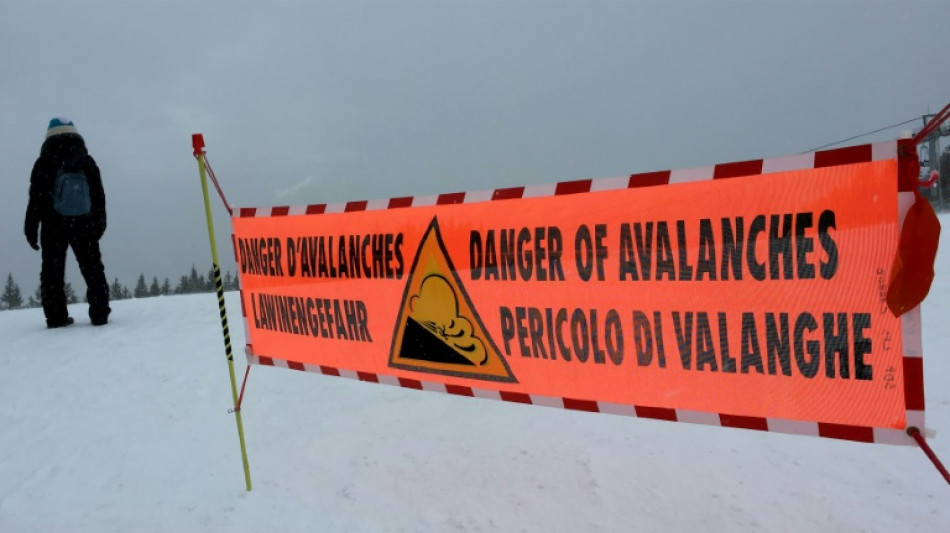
126,429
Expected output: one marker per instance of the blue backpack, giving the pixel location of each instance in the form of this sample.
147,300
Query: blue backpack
71,194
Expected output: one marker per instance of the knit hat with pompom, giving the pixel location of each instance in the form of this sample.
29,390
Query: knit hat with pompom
60,125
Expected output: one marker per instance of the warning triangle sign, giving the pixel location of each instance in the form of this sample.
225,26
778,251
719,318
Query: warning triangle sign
438,329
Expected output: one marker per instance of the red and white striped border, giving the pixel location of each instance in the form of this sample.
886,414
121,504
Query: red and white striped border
778,425
842,156
910,322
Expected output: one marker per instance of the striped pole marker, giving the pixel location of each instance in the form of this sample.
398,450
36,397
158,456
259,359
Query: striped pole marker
197,141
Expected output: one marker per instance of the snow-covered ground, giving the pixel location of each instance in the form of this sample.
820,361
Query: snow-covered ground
126,428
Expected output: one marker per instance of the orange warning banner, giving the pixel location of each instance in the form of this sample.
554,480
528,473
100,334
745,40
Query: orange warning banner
761,296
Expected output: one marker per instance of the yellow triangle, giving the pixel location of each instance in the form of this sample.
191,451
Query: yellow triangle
438,329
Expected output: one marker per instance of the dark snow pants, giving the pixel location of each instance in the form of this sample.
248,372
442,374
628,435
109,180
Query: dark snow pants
52,274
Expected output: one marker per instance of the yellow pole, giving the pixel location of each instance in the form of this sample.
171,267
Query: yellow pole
197,141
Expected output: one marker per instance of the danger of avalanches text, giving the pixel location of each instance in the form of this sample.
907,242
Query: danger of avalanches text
646,250
773,343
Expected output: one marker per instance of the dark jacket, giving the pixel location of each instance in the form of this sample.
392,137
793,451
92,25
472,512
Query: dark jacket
66,151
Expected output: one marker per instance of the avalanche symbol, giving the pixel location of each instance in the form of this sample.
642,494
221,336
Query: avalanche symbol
438,330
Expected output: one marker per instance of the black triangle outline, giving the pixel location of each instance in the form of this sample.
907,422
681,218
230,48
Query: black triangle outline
434,227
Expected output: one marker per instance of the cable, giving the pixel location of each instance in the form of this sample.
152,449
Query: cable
863,135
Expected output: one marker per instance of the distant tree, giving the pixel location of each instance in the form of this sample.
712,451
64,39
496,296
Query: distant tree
196,281
154,289
210,285
71,297
117,291
166,287
11,298
230,282
126,294
141,289
184,285
37,299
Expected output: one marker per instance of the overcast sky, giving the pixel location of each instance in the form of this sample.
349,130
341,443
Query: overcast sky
320,102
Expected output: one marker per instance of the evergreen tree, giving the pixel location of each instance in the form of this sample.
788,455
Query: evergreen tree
141,289
37,299
184,285
126,295
12,298
71,297
154,289
116,290
196,282
166,287
230,282
210,285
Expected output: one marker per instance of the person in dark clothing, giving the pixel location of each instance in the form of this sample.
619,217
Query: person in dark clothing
64,151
